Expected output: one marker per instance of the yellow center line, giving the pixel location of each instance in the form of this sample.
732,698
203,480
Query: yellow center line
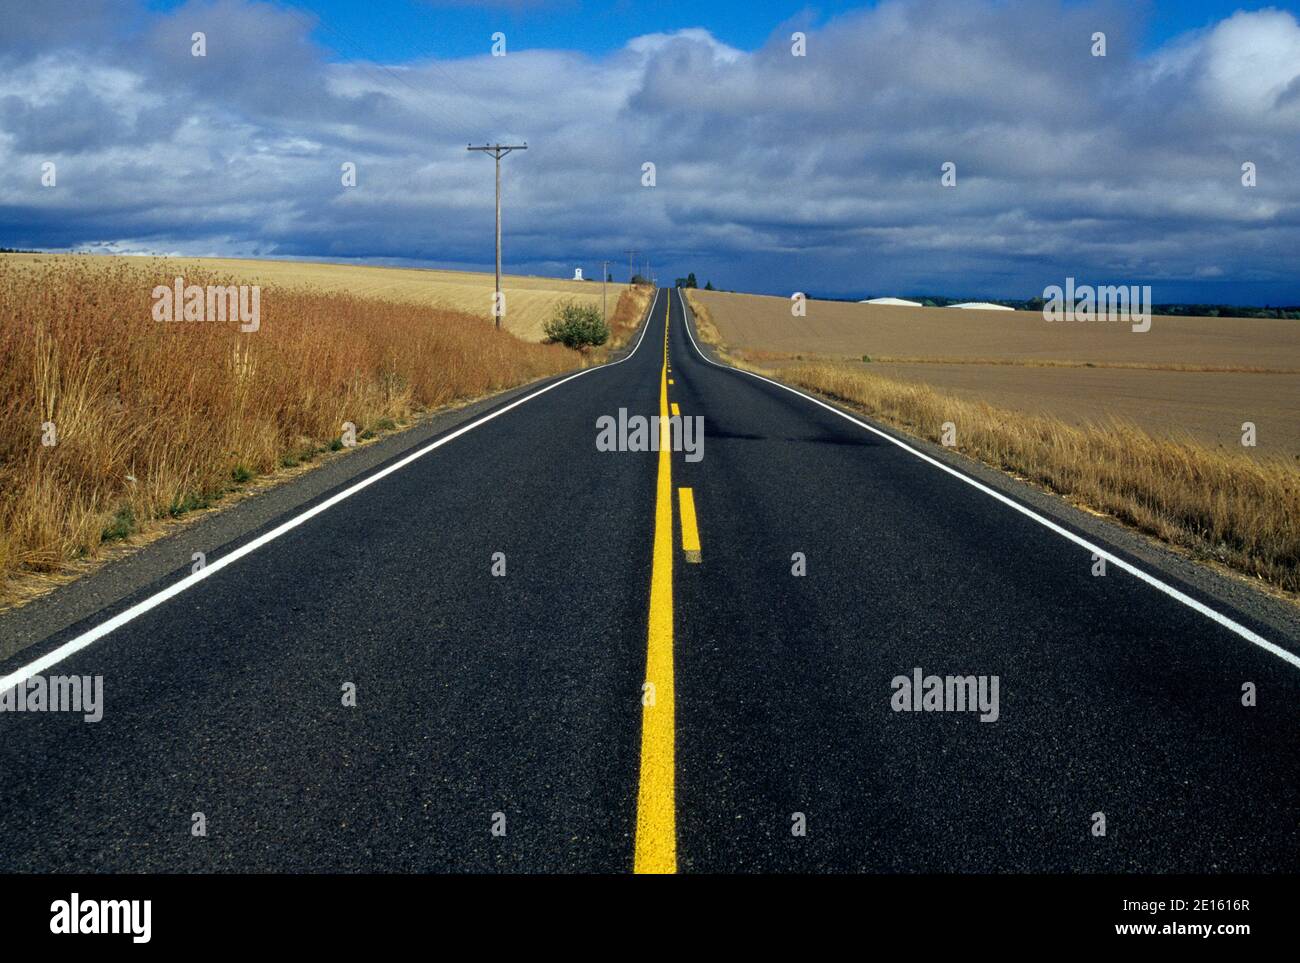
690,532
656,807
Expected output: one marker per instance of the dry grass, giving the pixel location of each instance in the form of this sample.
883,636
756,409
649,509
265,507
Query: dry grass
1208,407
626,319
1238,510
529,300
704,326
1109,365
156,419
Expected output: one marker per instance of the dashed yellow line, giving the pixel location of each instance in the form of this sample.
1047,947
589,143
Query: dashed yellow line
676,411
690,532
656,807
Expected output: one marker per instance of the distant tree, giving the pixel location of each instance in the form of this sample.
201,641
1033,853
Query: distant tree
708,285
690,280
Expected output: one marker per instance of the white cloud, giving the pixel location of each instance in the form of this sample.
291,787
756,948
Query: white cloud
1251,60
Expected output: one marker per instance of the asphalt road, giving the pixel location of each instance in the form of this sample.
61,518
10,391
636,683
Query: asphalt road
501,722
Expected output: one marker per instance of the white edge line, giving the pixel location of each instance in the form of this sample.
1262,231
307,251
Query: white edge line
1097,550
72,646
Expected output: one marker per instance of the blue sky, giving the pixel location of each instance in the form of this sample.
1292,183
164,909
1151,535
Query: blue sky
399,30
774,173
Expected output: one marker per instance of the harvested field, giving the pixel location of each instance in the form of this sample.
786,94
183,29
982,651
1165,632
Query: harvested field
833,329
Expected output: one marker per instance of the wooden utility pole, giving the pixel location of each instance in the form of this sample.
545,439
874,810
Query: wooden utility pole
630,256
604,289
498,151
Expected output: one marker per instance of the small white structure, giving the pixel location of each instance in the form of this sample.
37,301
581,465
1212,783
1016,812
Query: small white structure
981,306
577,274
895,301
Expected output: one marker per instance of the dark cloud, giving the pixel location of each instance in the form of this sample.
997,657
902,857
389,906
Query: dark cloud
30,29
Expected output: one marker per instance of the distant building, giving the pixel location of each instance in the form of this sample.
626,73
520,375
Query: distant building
895,301
981,306
577,274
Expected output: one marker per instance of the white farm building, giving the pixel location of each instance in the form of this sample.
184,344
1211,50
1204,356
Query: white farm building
894,301
981,306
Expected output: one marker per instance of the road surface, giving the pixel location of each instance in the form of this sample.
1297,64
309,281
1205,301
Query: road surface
504,722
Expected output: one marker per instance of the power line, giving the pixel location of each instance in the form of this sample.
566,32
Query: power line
485,108
372,65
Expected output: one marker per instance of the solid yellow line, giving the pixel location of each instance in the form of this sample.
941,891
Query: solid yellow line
690,533
656,807
676,411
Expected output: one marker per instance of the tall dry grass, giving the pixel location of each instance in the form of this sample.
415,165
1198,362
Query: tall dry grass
704,326
154,419
628,313
1242,511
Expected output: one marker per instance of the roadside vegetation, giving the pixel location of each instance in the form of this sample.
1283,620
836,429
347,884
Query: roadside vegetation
705,329
576,326
630,311
581,327
111,422
1238,510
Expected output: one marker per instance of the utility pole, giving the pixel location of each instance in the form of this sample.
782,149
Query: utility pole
604,290
498,151
630,256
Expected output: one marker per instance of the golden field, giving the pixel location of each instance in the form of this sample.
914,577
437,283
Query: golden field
1121,441
835,329
1195,378
151,420
529,300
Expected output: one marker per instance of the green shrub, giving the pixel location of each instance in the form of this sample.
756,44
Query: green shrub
187,502
122,525
577,325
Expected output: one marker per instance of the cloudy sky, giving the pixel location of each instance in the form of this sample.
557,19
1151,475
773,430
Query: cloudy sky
774,173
